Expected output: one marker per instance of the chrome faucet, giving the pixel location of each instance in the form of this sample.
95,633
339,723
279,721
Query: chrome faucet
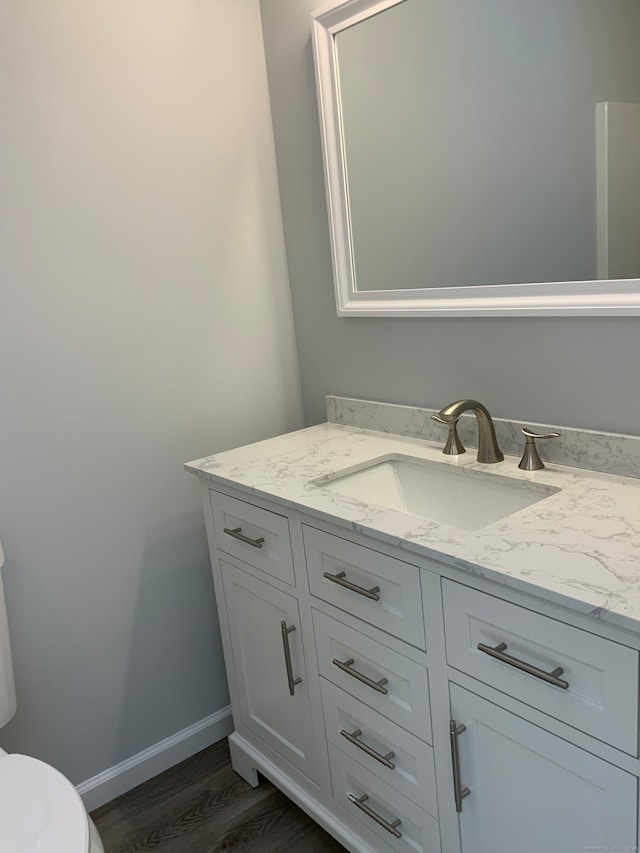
488,450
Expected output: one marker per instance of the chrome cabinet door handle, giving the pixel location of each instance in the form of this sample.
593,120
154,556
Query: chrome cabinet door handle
287,657
360,802
346,666
341,580
352,737
498,652
238,534
459,791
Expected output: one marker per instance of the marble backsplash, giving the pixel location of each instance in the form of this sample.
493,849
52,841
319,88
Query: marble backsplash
607,452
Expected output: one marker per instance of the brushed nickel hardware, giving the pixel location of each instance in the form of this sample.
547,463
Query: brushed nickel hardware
287,657
360,802
237,534
453,447
352,737
498,652
530,458
459,791
340,579
488,450
346,665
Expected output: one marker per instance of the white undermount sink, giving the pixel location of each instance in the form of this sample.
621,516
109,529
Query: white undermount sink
461,497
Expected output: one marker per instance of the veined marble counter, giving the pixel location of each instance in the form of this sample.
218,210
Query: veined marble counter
579,547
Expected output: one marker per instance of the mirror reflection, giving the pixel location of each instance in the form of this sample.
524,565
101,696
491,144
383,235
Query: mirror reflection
492,142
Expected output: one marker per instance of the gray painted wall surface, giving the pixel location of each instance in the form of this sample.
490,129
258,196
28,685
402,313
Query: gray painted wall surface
145,320
570,371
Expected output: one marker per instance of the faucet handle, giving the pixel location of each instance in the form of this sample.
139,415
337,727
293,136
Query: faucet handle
453,447
530,458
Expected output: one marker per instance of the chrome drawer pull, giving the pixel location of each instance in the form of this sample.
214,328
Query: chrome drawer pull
352,737
287,657
458,791
498,652
237,534
346,665
341,581
390,827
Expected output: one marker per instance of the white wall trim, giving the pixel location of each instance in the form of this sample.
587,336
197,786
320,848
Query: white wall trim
119,779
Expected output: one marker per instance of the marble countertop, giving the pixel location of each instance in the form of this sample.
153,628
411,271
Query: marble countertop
579,547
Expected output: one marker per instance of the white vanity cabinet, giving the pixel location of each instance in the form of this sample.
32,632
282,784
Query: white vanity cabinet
408,706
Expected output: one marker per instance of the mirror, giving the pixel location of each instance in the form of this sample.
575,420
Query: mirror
481,157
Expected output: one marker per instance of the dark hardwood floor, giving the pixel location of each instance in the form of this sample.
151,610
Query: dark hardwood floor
202,806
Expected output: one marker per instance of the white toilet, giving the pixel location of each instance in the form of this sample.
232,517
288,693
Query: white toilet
40,810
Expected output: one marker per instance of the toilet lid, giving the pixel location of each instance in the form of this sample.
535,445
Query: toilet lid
40,810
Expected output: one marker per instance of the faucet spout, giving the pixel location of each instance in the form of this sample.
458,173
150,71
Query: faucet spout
488,450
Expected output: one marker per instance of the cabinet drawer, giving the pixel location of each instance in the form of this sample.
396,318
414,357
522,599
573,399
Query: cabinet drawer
397,757
398,821
376,588
402,691
602,694
254,535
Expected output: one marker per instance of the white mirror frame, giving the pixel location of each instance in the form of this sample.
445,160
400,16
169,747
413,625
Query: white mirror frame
567,298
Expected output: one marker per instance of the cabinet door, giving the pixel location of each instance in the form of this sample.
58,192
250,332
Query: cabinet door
530,791
273,705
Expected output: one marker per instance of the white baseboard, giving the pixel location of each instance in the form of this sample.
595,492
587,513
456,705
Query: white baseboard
117,780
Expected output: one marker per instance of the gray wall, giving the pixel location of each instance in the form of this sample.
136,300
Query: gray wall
570,371
145,320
